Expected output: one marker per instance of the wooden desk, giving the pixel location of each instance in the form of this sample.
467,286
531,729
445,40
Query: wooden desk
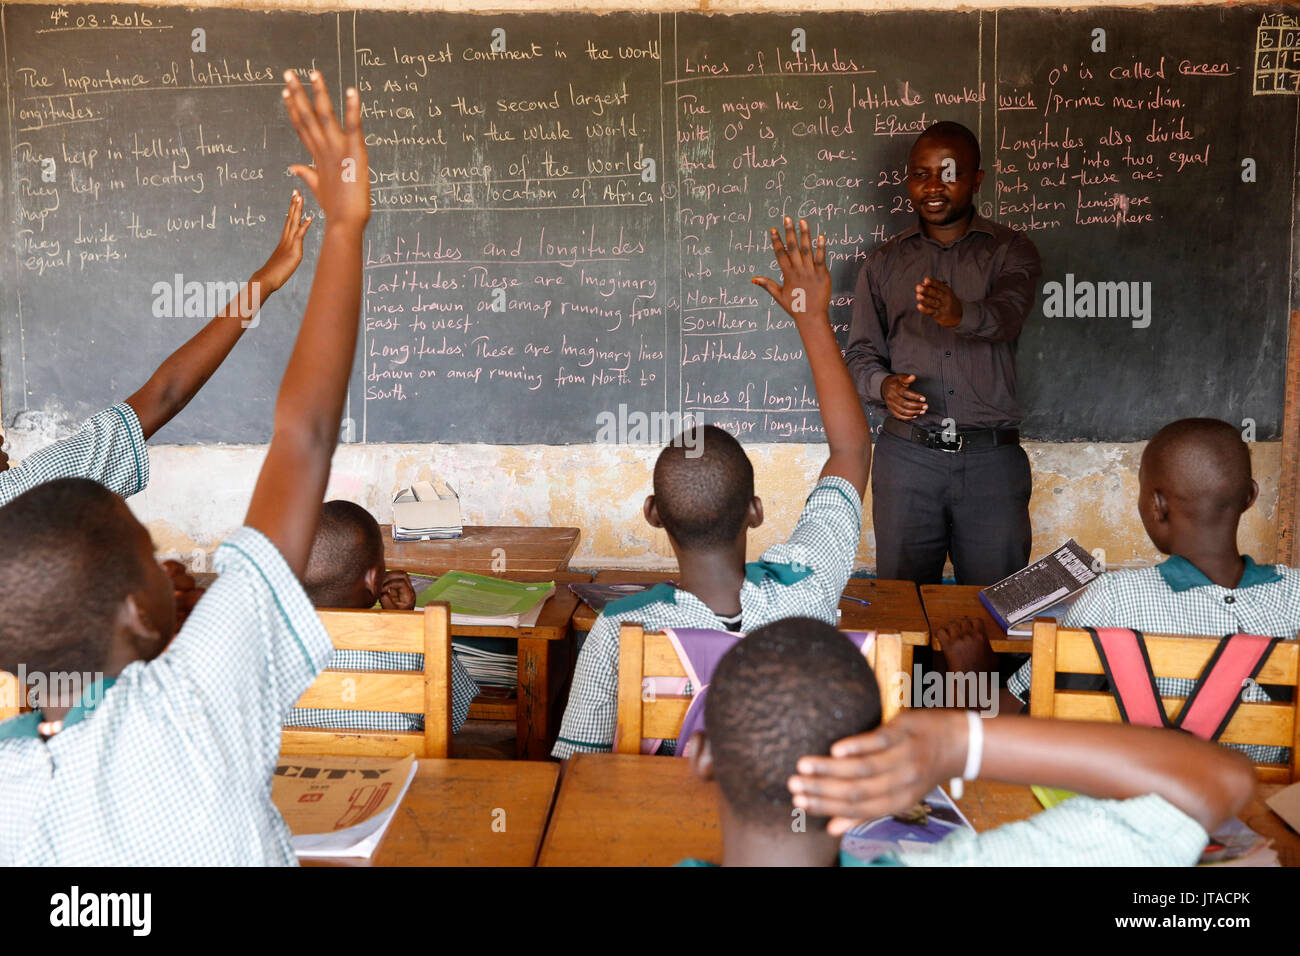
545,661
895,606
446,818
632,810
945,603
525,549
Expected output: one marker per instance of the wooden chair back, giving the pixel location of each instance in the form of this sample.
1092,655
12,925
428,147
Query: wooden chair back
1059,650
426,692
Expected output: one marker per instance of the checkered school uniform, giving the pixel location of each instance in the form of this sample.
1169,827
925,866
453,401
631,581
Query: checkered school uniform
109,448
802,577
173,767
1142,831
463,692
1175,597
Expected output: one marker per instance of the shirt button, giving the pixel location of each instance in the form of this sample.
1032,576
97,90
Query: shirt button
1229,600
950,391
947,355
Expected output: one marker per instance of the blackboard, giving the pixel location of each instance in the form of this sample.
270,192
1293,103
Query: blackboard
569,207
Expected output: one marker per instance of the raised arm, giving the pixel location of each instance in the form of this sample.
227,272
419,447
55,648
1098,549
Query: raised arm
287,499
892,767
188,369
805,294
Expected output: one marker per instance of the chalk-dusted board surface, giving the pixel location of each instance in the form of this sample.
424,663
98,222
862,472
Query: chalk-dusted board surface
568,208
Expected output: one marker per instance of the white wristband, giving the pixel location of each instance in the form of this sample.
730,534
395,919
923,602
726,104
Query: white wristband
974,754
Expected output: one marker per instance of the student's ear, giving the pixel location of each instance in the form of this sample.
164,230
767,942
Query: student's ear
374,582
651,512
700,755
143,639
1254,494
754,514
1159,506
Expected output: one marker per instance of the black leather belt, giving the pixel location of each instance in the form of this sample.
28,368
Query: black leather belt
952,441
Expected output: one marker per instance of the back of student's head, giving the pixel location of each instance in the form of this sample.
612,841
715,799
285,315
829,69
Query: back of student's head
72,552
1203,465
703,488
348,545
787,690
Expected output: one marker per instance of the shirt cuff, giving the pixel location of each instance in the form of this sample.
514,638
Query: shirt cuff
971,318
125,414
874,383
249,549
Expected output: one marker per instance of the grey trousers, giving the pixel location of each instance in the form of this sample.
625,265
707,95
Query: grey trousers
928,504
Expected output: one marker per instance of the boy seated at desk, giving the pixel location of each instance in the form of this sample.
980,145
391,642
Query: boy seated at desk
347,569
704,499
1194,484
141,749
796,708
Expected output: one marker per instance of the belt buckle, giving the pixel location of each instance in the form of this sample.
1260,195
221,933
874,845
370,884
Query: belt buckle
947,448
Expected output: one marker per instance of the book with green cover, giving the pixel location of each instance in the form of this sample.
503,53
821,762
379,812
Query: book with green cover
478,599
1051,796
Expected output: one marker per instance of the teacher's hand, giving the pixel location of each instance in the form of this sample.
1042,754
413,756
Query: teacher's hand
903,403
935,299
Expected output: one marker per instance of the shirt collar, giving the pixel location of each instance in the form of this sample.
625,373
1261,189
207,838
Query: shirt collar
26,725
1181,575
977,224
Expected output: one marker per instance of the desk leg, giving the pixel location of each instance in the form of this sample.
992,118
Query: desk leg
532,704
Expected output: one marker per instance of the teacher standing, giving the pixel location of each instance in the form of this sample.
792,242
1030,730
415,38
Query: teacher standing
937,313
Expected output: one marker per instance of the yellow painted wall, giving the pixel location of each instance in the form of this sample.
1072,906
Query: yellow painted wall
1082,490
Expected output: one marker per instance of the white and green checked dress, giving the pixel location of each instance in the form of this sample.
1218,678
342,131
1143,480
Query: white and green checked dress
174,765
109,448
1175,597
802,577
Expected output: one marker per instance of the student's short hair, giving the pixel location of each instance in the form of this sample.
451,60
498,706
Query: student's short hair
1205,463
66,565
703,488
788,690
949,129
348,543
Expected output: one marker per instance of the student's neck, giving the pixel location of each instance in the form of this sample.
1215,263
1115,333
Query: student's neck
747,845
1215,555
952,231
714,576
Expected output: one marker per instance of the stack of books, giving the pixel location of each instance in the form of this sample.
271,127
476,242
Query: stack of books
426,512
478,600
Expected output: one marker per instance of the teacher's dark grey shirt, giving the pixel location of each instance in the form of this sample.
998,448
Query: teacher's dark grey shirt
968,372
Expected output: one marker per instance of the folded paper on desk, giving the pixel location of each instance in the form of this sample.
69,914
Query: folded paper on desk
426,511
919,829
339,806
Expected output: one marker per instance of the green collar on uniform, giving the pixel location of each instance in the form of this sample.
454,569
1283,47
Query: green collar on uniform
27,725
665,593
784,573
1181,575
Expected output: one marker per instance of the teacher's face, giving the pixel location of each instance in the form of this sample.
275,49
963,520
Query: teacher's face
942,179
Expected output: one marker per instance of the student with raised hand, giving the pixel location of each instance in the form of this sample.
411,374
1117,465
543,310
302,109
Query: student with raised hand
1194,484
704,500
109,447
795,709
347,569
164,755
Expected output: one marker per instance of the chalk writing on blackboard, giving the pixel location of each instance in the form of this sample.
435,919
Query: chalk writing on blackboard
1277,54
